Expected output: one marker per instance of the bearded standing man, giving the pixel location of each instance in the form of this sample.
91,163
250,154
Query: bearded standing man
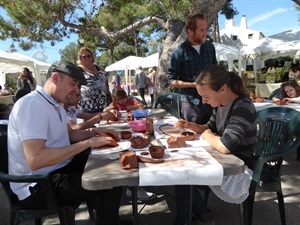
187,62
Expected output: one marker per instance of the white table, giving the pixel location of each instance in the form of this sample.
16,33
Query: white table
102,173
268,104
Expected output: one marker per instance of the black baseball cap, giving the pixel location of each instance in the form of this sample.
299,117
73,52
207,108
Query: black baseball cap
68,68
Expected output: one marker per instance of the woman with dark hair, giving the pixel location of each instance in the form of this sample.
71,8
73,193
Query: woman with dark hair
230,130
26,80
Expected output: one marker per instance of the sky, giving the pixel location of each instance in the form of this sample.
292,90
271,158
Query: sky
267,16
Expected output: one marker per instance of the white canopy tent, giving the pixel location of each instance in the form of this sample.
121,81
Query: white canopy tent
226,53
126,64
267,48
150,61
14,62
288,35
129,63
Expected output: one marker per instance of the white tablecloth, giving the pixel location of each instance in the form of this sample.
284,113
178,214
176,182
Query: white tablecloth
264,105
191,165
194,166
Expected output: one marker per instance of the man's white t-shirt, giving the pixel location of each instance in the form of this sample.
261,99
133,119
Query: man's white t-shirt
34,117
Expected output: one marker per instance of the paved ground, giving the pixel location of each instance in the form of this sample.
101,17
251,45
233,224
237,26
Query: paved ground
161,211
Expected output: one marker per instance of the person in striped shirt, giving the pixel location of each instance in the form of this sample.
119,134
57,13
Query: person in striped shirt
230,130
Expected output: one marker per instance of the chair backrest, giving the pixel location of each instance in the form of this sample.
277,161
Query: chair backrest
275,93
17,214
169,102
278,131
278,135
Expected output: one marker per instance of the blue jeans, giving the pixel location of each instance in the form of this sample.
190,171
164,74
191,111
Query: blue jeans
181,195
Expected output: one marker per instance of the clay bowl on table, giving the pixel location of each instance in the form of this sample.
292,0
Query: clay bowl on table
139,142
188,135
157,152
126,134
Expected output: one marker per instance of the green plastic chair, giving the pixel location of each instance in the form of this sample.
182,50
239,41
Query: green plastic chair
278,135
17,213
170,102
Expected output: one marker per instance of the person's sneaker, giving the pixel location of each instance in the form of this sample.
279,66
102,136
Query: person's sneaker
142,194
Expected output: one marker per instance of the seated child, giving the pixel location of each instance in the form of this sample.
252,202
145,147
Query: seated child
90,119
122,102
290,92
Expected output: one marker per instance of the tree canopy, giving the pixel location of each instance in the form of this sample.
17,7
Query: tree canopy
105,24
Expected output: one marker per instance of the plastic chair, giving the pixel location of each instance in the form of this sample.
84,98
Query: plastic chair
17,213
169,102
275,93
278,135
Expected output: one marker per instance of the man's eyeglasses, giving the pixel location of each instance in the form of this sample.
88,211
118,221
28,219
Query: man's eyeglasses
86,56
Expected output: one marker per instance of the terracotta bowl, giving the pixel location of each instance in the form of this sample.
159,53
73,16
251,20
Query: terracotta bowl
157,152
188,135
139,142
126,134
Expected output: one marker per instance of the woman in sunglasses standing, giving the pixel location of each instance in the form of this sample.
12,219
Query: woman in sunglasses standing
95,96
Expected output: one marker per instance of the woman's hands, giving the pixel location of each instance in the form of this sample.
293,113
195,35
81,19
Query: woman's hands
183,124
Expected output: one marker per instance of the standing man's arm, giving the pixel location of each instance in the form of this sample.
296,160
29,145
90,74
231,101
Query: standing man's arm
174,72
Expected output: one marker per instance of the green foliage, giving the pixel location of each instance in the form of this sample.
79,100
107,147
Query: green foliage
69,53
228,10
11,82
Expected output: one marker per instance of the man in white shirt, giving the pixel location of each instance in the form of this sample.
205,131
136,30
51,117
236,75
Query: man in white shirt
40,141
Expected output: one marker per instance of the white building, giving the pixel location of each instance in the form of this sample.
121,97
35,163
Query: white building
239,36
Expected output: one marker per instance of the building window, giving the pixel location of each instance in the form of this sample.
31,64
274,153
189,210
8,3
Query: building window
234,37
250,36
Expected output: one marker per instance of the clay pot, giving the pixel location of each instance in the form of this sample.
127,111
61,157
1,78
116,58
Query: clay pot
126,134
157,152
188,135
139,142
